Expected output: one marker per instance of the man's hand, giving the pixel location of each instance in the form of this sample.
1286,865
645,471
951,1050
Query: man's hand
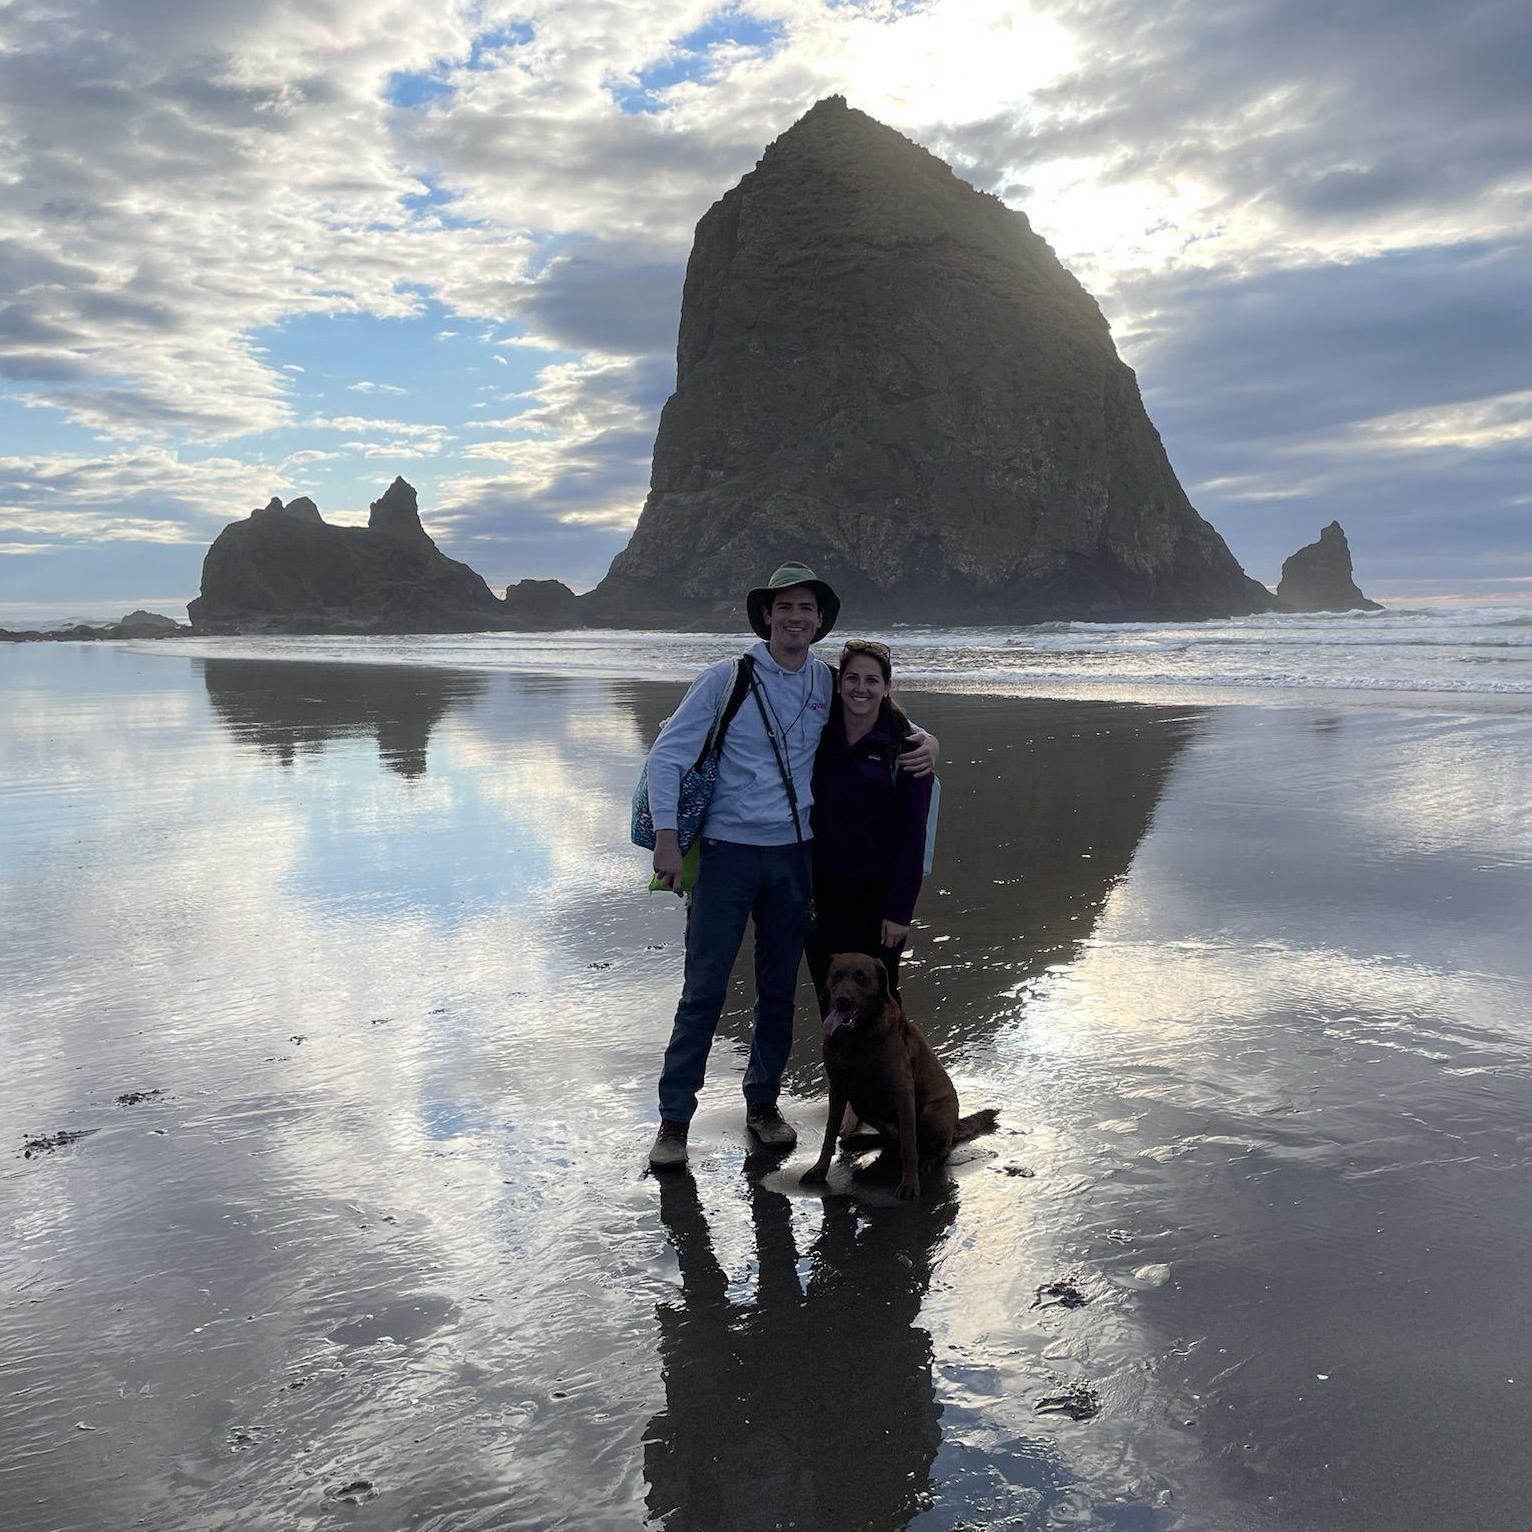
893,934
920,760
667,860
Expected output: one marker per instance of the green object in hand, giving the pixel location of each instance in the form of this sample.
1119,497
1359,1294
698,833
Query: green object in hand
690,863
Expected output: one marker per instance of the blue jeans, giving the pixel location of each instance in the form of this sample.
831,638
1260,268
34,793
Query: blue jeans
735,883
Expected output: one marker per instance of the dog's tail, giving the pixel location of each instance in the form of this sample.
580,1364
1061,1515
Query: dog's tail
974,1124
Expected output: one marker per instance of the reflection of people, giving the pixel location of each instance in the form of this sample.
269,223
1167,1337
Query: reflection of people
755,857
869,820
796,1406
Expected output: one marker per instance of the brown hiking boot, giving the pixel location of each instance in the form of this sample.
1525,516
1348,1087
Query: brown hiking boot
769,1126
669,1151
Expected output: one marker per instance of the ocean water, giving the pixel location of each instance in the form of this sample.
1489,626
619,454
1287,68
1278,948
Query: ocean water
1453,656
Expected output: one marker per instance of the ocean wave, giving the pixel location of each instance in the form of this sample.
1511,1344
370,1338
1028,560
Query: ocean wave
1452,653
1392,641
1251,680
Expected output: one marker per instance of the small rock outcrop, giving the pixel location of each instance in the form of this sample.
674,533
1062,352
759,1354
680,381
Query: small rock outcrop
887,374
142,624
137,624
1317,578
284,569
301,509
542,604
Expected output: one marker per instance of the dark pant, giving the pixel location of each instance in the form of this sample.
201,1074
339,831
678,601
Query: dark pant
735,883
848,917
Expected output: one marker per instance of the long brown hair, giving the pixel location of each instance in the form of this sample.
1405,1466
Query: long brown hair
888,710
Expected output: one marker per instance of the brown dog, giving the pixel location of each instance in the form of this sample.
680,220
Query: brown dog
879,1063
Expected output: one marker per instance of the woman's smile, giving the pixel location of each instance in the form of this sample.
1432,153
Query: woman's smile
862,687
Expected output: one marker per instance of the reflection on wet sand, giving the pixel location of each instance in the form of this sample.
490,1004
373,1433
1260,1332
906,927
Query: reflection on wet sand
286,709
348,1078
1039,823
805,1402
1021,873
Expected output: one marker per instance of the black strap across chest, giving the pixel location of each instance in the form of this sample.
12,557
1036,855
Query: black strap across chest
744,678
776,750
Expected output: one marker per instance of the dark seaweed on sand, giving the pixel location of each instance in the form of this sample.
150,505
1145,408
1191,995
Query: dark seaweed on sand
48,1142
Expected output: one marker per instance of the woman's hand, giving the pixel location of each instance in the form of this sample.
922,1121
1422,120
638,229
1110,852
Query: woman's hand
894,934
920,759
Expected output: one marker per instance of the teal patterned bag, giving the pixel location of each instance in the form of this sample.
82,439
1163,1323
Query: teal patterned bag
699,780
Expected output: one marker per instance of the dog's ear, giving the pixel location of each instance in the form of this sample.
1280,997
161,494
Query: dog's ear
882,973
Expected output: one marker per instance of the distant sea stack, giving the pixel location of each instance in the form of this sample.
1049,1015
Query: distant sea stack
542,604
285,570
137,624
1317,578
887,374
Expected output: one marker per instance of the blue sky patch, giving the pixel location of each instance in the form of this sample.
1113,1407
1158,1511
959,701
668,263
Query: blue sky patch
688,57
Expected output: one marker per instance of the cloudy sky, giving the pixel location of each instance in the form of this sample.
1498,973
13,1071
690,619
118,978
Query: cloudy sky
297,248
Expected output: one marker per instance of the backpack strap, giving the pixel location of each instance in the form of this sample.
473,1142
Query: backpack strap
743,670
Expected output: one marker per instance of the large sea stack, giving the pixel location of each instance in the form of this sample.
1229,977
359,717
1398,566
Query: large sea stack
284,569
885,373
1317,578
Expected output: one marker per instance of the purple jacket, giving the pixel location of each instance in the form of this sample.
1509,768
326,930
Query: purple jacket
870,821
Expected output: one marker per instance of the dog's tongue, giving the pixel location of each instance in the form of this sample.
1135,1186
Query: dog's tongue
837,1019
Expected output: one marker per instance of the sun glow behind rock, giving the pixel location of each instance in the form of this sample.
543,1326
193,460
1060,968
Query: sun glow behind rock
947,62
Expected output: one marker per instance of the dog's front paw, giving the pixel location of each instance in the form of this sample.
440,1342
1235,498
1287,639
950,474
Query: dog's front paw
813,1175
907,1190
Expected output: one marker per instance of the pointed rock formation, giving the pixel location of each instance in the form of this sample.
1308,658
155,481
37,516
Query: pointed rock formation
285,570
887,374
395,513
1317,578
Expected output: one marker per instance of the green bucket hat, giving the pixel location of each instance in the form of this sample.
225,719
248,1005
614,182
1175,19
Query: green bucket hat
758,601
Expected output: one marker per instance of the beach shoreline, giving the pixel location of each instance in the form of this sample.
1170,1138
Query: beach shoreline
1470,660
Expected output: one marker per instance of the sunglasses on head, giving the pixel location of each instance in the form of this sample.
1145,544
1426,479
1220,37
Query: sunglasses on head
867,646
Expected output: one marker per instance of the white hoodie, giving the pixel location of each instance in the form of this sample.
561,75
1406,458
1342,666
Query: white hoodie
749,803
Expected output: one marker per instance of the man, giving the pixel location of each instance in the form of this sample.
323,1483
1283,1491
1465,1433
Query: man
756,860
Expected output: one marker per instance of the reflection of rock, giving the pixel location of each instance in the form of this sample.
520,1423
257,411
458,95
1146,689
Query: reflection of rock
284,570
649,703
807,1405
1044,804
1317,578
890,375
288,707
542,604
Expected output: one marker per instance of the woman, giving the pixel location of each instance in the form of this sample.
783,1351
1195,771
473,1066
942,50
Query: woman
869,820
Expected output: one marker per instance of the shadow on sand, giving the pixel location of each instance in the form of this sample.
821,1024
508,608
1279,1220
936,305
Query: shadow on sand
810,1393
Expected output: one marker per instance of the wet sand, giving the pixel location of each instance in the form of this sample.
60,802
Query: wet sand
346,978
